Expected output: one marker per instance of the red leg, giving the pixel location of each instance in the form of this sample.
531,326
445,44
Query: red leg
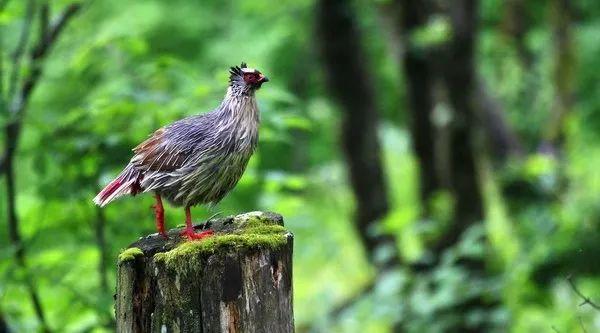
189,228
159,216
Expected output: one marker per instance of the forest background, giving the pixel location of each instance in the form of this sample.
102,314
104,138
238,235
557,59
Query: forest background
436,161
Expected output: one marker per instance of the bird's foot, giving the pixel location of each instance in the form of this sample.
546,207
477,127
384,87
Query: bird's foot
190,234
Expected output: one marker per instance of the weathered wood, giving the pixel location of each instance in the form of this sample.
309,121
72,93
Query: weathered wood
239,280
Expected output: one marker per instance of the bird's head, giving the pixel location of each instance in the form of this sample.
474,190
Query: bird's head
246,79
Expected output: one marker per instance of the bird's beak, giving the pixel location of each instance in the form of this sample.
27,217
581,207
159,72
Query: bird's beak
264,79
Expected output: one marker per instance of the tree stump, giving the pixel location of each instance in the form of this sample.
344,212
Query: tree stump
239,280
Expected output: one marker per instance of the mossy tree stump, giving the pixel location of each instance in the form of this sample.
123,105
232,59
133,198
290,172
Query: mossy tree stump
239,280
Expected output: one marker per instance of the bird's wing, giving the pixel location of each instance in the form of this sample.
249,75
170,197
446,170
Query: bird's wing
164,151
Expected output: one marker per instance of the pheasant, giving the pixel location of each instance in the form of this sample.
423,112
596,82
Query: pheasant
198,159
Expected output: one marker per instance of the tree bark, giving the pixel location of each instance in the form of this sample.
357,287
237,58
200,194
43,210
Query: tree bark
422,67
461,83
351,86
500,138
3,325
516,24
564,67
420,77
238,280
459,75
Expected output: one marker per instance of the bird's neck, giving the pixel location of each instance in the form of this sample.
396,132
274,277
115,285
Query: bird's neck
240,118
240,107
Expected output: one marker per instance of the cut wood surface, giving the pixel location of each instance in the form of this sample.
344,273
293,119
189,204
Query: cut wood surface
239,280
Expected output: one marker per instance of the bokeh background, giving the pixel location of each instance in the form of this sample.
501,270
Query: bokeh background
437,161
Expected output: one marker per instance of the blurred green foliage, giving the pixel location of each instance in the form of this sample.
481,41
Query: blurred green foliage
125,68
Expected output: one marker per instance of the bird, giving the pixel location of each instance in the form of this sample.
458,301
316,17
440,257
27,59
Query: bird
198,159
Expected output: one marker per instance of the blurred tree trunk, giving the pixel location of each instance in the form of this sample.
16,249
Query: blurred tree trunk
446,74
437,75
421,68
461,83
500,138
561,12
515,25
14,233
350,83
459,75
18,94
517,20
3,325
14,106
420,79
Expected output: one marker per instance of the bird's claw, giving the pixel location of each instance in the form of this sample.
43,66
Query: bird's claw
192,235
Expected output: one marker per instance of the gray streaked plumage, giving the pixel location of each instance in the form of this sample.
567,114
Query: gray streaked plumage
198,159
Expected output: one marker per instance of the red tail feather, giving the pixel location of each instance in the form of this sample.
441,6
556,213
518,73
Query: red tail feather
128,182
109,189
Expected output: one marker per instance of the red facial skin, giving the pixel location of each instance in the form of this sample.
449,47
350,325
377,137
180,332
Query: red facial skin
254,78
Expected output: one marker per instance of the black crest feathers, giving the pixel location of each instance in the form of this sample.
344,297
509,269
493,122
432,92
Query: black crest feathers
236,72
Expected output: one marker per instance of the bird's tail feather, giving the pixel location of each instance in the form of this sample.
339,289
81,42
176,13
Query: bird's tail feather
128,182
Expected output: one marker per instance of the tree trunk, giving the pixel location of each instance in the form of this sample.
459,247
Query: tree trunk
419,72
351,85
14,233
459,75
3,325
239,280
564,68
421,68
516,23
461,84
500,138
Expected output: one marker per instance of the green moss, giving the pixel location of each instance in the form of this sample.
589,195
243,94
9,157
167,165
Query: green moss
255,232
219,242
265,229
252,220
130,254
